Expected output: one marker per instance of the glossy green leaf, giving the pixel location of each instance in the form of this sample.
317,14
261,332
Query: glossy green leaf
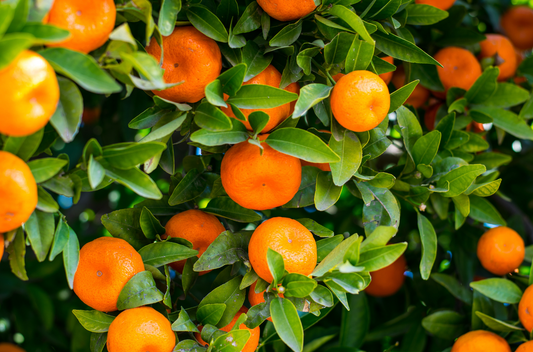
327,193
93,320
301,144
207,23
161,253
168,15
484,87
287,323
402,49
500,290
40,230
428,237
227,208
381,257
400,96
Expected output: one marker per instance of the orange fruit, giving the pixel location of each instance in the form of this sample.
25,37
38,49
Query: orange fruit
287,10
191,57
270,76
338,76
387,281
461,68
517,23
293,88
253,341
431,116
497,44
17,185
9,347
500,250
475,127
257,298
106,265
89,22
197,227
360,101
525,309
287,237
2,245
139,330
387,76
480,341
418,97
29,94
525,347
441,4
258,180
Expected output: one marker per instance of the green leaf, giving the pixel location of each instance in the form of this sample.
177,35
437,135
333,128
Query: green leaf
46,168
214,95
306,193
71,257
310,95
98,341
355,323
409,126
11,45
255,59
207,23
168,124
45,33
190,187
426,147
500,290
184,323
492,160
160,253
351,153
359,56
237,134
428,238
258,121
484,87
46,202
67,117
288,35
327,193
337,50
402,49
507,95
227,208
482,210
383,210
232,79
95,172
82,69
335,257
40,229
226,249
497,325
210,313
17,253
378,238
125,224
24,147
135,179
275,265
301,144
316,228
257,96
250,19
460,179
239,339
287,323
454,287
444,324
298,285
354,21
61,236
508,121
228,294
93,320
140,290
381,257
486,189
424,14
128,155
150,225
400,96
168,15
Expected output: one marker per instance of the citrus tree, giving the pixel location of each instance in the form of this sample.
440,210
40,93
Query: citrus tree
274,175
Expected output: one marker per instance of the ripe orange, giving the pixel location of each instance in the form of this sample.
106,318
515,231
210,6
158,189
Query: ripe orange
270,76
287,10
257,298
475,127
461,68
89,22
500,250
18,192
139,330
387,76
253,341
260,181
517,23
480,341
293,88
418,97
441,4
106,265
29,94
431,116
2,245
497,44
9,347
197,227
525,347
387,281
360,101
287,237
525,309
191,57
